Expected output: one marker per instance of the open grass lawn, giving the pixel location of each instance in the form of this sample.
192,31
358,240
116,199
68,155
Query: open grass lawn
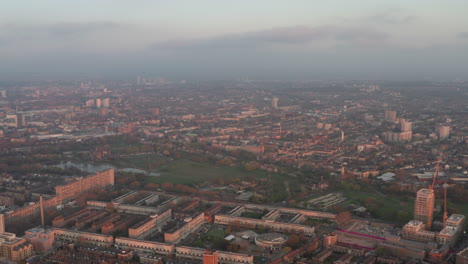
190,172
138,161
215,234
254,215
459,208
384,207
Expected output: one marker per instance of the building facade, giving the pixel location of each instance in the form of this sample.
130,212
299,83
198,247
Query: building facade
390,115
72,190
424,207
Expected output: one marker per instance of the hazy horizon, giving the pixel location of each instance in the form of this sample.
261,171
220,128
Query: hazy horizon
377,40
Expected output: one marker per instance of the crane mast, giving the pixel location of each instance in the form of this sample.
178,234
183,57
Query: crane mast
435,175
445,205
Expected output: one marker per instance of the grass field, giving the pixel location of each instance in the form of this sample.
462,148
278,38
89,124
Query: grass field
459,208
254,215
384,207
190,172
215,234
138,161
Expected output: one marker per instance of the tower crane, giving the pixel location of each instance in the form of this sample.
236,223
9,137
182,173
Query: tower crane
435,175
445,217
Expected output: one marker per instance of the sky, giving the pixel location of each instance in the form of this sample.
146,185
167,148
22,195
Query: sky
230,39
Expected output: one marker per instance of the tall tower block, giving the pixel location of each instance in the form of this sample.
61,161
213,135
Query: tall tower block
274,102
424,206
390,115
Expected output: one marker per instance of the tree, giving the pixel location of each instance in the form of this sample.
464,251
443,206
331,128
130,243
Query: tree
198,243
151,186
224,162
293,241
251,166
221,244
400,174
135,184
292,203
343,218
403,216
167,186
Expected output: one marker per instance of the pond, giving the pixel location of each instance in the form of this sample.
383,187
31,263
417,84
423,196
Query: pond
92,168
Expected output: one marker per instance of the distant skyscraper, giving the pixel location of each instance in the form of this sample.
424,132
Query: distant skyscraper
424,206
106,102
98,103
443,132
405,125
390,115
4,93
397,137
274,102
21,120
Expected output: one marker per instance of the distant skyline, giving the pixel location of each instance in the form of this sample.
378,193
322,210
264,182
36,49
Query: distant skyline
260,39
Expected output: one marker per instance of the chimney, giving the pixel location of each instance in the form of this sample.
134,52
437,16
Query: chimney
2,224
41,200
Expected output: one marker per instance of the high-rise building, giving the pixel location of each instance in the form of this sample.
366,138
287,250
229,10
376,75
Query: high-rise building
274,102
98,103
406,125
397,137
424,207
21,120
106,102
390,115
443,132
4,93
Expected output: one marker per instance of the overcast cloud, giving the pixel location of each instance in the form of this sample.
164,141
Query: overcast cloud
210,40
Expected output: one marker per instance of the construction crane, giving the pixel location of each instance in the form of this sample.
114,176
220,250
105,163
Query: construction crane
445,205
435,175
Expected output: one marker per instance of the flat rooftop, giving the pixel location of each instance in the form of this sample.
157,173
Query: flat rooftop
448,230
414,223
456,217
426,191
